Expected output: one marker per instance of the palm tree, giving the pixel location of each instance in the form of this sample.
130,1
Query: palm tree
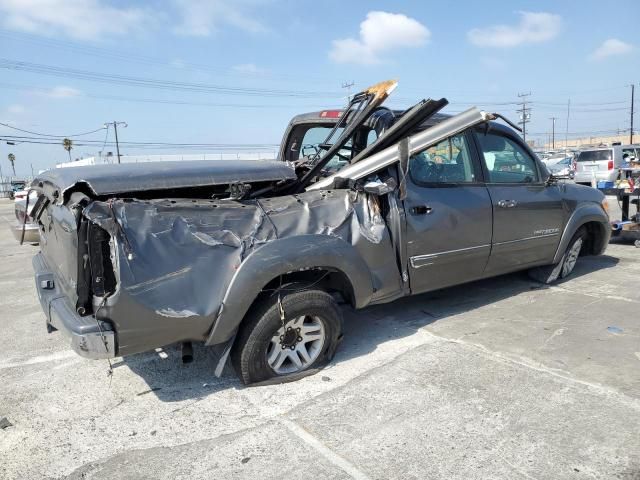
68,145
12,159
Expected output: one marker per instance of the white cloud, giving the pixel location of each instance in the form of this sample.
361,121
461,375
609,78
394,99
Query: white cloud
380,32
60,92
79,19
534,27
611,47
203,17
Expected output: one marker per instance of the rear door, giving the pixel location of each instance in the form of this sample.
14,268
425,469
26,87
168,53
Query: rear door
528,215
448,216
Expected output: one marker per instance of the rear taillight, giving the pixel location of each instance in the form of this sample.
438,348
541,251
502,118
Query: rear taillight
330,113
610,165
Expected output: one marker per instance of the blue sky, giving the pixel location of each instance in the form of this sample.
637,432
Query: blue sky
259,62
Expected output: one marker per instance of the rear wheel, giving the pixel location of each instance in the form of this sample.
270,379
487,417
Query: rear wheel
270,348
550,273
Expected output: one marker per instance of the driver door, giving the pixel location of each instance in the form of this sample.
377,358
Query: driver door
528,215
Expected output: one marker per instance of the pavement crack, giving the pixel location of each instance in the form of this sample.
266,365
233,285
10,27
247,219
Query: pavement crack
539,367
323,450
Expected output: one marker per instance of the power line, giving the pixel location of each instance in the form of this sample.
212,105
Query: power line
98,142
94,51
114,79
44,90
47,135
394,100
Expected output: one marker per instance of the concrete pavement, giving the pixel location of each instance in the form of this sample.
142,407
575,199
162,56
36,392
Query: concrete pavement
501,378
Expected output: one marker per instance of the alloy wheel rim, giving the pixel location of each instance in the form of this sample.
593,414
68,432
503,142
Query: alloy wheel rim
572,257
294,347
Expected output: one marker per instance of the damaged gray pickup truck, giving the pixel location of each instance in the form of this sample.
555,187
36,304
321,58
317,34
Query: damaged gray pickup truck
363,206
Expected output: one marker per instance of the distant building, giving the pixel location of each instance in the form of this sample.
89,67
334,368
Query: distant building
591,141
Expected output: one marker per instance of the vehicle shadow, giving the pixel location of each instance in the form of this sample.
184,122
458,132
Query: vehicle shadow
364,330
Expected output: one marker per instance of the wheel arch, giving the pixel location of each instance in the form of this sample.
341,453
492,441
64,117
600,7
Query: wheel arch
596,223
330,261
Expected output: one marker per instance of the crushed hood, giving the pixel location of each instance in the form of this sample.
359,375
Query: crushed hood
139,177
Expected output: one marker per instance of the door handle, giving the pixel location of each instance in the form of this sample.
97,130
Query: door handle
507,203
420,210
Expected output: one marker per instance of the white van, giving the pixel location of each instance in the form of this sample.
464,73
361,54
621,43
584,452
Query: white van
601,162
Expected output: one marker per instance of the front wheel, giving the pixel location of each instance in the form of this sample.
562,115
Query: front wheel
269,347
550,273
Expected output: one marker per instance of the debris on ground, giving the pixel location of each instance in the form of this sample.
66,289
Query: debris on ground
5,423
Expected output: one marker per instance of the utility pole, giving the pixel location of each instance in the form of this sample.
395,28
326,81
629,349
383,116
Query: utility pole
553,133
115,130
525,115
566,132
348,86
631,129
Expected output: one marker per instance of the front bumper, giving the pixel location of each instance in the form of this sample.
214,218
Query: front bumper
31,232
88,338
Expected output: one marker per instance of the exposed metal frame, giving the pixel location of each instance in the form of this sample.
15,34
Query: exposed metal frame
360,108
417,143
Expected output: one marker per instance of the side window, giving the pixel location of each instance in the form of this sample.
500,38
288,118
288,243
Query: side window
447,162
506,161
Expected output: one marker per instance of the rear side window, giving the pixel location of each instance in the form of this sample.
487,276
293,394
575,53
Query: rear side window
447,162
506,160
595,155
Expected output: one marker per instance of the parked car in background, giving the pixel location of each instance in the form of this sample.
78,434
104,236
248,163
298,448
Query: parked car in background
599,163
31,229
554,158
562,167
17,186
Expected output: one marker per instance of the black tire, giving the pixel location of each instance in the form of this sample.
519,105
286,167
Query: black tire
550,273
249,355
